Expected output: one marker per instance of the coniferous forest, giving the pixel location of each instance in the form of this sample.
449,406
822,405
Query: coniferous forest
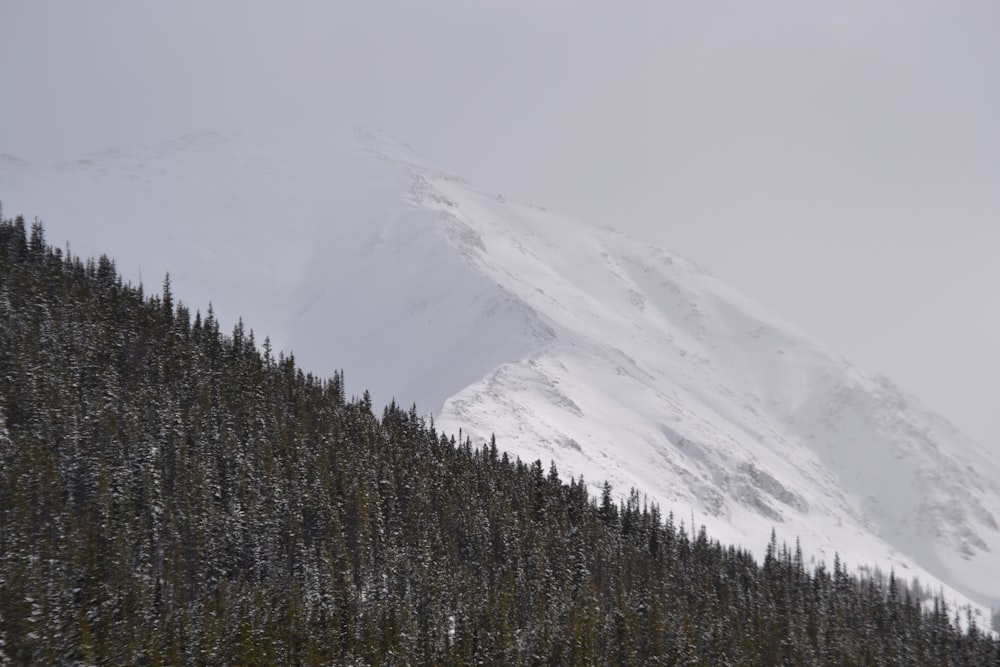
173,494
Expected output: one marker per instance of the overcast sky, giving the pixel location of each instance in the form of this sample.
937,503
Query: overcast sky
837,161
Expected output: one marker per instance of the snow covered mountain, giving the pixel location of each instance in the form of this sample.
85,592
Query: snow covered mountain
612,358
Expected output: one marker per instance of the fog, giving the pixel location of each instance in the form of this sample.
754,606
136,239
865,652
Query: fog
838,162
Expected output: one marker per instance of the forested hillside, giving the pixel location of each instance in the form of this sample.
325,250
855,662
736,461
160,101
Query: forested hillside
170,494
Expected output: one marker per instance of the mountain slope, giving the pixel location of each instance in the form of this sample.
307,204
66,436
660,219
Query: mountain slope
197,501
660,377
613,358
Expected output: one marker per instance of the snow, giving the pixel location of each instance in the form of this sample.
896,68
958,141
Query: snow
573,343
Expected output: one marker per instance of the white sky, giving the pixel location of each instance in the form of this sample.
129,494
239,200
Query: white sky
837,161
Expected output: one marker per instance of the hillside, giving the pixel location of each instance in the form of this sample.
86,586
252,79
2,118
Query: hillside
171,494
572,343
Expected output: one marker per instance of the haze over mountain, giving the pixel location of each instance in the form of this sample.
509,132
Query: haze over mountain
613,358
836,162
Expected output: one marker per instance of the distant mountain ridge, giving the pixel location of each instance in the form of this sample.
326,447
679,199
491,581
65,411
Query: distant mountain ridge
613,358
